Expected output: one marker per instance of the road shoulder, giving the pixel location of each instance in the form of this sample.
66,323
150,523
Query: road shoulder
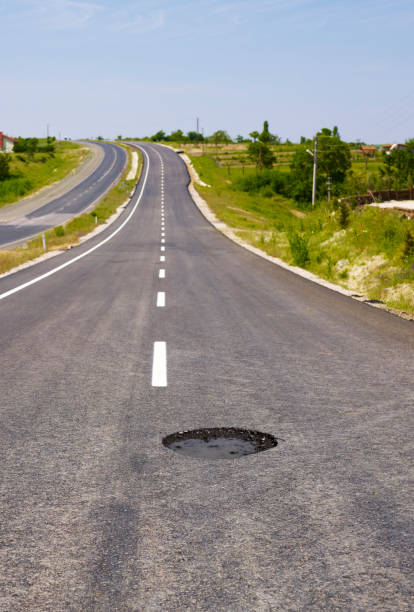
229,233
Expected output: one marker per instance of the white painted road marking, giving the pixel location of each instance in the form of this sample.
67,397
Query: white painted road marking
82,255
162,240
162,249
161,299
159,365
161,273
162,257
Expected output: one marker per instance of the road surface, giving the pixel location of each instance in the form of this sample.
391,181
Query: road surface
98,515
65,206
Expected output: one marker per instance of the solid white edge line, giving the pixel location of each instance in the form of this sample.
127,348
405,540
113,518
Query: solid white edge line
82,255
161,299
159,365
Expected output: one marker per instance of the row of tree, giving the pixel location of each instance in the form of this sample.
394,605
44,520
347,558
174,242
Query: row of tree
334,172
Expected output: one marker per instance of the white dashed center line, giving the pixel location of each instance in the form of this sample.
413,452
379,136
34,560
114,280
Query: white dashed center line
162,257
163,248
161,273
162,240
159,365
161,299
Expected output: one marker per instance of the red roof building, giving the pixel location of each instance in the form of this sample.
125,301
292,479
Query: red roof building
6,143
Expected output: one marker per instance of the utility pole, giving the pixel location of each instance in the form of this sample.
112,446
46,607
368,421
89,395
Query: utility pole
314,154
315,163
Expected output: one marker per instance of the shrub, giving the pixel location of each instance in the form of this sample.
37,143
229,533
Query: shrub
408,247
299,249
4,166
343,215
59,231
267,192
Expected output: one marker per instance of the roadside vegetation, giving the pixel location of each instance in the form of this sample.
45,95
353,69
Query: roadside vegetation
263,190
36,163
65,236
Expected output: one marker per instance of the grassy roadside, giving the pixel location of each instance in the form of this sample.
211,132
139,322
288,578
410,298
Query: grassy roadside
64,236
369,251
29,173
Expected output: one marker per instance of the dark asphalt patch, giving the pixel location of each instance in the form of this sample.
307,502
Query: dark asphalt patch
219,442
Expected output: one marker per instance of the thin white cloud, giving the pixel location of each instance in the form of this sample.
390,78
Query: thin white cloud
56,14
142,23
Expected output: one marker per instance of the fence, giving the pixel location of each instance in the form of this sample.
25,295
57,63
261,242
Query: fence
380,196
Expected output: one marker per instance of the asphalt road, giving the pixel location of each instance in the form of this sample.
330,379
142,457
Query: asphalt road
98,515
73,202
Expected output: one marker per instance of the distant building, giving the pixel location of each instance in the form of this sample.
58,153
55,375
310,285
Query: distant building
6,143
368,150
393,147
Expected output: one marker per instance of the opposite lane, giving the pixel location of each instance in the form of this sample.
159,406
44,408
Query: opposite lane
63,208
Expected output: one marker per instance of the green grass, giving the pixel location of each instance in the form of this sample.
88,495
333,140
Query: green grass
31,173
367,256
60,237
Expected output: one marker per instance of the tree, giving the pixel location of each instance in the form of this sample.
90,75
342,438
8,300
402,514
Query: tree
334,157
255,135
220,136
4,166
119,137
239,138
260,153
195,137
160,135
266,136
334,160
177,136
400,164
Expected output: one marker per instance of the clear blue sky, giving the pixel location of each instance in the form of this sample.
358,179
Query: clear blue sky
132,67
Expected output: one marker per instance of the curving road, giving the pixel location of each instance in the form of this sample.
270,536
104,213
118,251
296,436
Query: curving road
98,515
61,209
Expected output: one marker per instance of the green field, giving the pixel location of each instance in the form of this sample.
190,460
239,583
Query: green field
29,173
371,255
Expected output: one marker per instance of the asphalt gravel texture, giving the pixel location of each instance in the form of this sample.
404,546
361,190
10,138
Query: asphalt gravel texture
73,202
96,514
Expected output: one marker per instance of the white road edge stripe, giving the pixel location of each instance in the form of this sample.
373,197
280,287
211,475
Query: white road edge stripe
78,257
161,299
159,365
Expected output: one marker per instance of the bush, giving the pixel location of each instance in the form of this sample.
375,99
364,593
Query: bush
59,231
267,192
343,215
14,187
299,249
408,248
4,166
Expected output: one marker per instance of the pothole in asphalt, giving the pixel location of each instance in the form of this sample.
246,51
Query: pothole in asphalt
219,442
